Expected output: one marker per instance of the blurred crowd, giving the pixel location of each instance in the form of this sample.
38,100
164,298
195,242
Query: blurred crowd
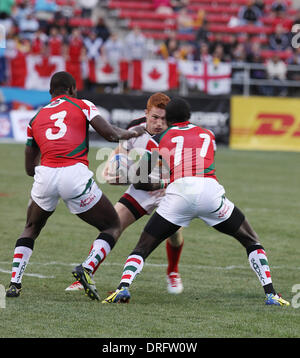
43,27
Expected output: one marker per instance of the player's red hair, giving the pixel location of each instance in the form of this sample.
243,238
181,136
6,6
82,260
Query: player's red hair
159,100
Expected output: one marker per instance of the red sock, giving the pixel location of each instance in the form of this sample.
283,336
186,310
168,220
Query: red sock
173,254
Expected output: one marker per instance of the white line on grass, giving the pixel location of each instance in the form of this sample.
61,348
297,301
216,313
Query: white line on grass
29,274
199,267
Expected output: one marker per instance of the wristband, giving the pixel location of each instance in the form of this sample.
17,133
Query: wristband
164,183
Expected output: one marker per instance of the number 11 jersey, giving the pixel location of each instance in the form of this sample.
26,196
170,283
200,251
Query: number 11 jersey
186,149
60,130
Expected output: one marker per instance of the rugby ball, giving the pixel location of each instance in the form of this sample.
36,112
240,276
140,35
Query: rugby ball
119,166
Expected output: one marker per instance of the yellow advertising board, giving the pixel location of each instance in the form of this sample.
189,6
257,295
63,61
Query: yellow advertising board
265,123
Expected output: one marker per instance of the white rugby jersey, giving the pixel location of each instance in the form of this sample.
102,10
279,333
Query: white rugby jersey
138,145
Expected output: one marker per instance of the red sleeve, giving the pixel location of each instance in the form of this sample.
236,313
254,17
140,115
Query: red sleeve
30,140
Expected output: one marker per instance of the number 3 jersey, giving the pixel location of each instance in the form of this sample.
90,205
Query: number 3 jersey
60,130
186,149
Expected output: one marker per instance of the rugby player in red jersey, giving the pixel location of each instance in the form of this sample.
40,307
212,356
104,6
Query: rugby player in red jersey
58,139
193,192
134,203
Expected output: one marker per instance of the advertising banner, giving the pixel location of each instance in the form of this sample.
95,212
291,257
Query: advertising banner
5,126
210,113
265,123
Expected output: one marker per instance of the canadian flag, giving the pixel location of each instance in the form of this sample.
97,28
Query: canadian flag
209,77
101,71
35,71
40,70
153,75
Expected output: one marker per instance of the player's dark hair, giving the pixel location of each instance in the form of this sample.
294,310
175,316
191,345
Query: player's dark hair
178,110
61,83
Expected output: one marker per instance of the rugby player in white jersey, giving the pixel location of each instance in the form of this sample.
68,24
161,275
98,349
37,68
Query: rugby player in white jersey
134,203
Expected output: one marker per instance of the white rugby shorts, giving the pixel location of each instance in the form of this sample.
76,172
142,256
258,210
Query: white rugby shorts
74,184
148,200
194,197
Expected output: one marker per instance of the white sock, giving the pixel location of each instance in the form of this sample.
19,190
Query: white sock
98,253
21,258
259,264
132,267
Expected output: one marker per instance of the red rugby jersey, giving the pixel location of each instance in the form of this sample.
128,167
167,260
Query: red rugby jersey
60,130
187,149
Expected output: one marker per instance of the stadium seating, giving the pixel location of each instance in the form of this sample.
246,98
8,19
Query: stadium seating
218,14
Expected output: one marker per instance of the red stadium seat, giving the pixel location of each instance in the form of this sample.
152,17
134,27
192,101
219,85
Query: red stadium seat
135,5
152,25
284,55
236,2
144,15
248,29
80,22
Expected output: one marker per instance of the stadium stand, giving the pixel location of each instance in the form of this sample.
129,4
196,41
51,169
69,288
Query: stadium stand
61,27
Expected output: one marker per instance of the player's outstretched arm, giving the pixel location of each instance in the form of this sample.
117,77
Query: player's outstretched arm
112,133
143,180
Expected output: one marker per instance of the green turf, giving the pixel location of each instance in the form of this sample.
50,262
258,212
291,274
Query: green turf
222,296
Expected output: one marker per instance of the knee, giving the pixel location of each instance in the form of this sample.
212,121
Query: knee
176,239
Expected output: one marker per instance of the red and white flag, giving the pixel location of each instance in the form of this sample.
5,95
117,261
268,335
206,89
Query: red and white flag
101,71
35,72
153,75
208,77
40,69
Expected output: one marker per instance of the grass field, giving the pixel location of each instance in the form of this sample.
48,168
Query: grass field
222,296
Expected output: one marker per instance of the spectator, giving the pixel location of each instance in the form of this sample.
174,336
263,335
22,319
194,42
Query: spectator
279,8
239,57
162,6
186,52
294,60
202,53
179,4
185,22
170,47
249,14
45,12
6,22
92,45
38,42
101,29
260,4
279,40
75,46
277,71
230,45
218,54
55,42
28,26
87,7
113,49
21,11
135,45
202,33
258,73
218,40
63,32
